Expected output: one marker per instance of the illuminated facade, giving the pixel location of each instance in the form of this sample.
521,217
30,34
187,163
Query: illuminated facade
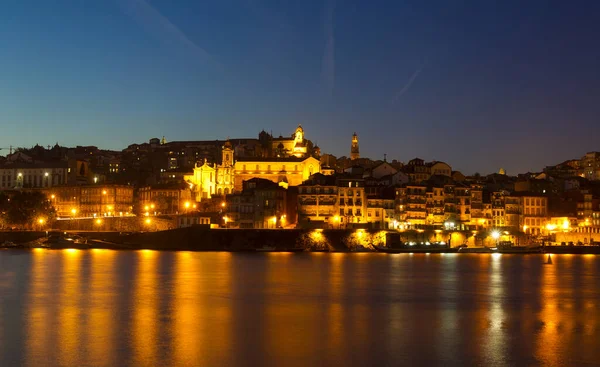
336,202
165,199
290,171
534,214
34,175
91,200
291,164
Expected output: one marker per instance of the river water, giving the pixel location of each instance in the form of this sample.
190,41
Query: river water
147,308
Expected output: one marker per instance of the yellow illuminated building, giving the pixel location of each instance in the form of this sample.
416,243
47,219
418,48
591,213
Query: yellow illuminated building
91,200
290,167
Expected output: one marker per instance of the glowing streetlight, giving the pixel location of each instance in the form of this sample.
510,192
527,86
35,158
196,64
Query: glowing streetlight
52,196
98,221
223,204
41,221
152,206
148,221
495,235
146,208
187,204
103,192
46,174
525,228
73,211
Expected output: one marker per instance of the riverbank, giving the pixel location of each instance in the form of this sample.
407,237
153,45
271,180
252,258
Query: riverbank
206,239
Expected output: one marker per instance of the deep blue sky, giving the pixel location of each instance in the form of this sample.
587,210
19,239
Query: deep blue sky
481,84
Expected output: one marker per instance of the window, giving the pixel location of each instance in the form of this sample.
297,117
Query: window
269,168
341,211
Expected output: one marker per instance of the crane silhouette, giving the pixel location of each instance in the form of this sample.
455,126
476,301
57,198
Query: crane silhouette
9,148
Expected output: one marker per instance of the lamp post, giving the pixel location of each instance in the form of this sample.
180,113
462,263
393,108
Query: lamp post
496,236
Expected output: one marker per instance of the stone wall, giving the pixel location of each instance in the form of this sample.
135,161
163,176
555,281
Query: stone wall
116,224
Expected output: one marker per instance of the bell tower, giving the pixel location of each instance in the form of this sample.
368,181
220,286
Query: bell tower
227,155
354,153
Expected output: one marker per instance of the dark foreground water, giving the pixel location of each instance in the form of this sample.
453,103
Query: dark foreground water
145,308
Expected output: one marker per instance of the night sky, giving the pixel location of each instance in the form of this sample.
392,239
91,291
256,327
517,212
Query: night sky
478,84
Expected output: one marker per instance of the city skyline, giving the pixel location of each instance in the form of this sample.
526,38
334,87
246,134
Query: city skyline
412,80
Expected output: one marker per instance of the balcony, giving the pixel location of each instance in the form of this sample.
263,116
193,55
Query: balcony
327,202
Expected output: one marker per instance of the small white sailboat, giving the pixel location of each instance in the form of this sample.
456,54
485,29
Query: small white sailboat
549,260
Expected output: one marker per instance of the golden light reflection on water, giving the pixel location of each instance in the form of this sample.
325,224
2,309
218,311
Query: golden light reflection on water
145,304
188,333
495,338
549,341
102,329
333,309
38,344
69,310
201,309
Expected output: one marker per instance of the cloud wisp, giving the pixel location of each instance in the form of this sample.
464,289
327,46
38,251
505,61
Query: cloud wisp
406,86
328,62
161,28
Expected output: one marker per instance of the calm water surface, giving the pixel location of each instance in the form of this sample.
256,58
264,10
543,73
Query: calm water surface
146,308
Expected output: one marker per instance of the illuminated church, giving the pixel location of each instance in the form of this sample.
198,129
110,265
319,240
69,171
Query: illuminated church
288,162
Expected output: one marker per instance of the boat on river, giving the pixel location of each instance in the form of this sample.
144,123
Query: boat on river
509,248
59,241
415,248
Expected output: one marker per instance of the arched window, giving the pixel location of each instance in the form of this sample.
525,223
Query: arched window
310,170
226,190
220,191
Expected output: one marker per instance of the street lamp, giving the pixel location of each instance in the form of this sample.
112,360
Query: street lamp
496,236
274,220
73,211
187,204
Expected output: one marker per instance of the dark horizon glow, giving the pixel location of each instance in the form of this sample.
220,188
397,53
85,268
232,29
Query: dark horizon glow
479,85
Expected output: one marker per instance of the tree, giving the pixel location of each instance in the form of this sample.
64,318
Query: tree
25,208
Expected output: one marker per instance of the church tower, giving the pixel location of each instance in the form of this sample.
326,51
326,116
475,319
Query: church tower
227,154
225,178
354,154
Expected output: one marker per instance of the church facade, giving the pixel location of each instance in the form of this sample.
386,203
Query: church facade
292,161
